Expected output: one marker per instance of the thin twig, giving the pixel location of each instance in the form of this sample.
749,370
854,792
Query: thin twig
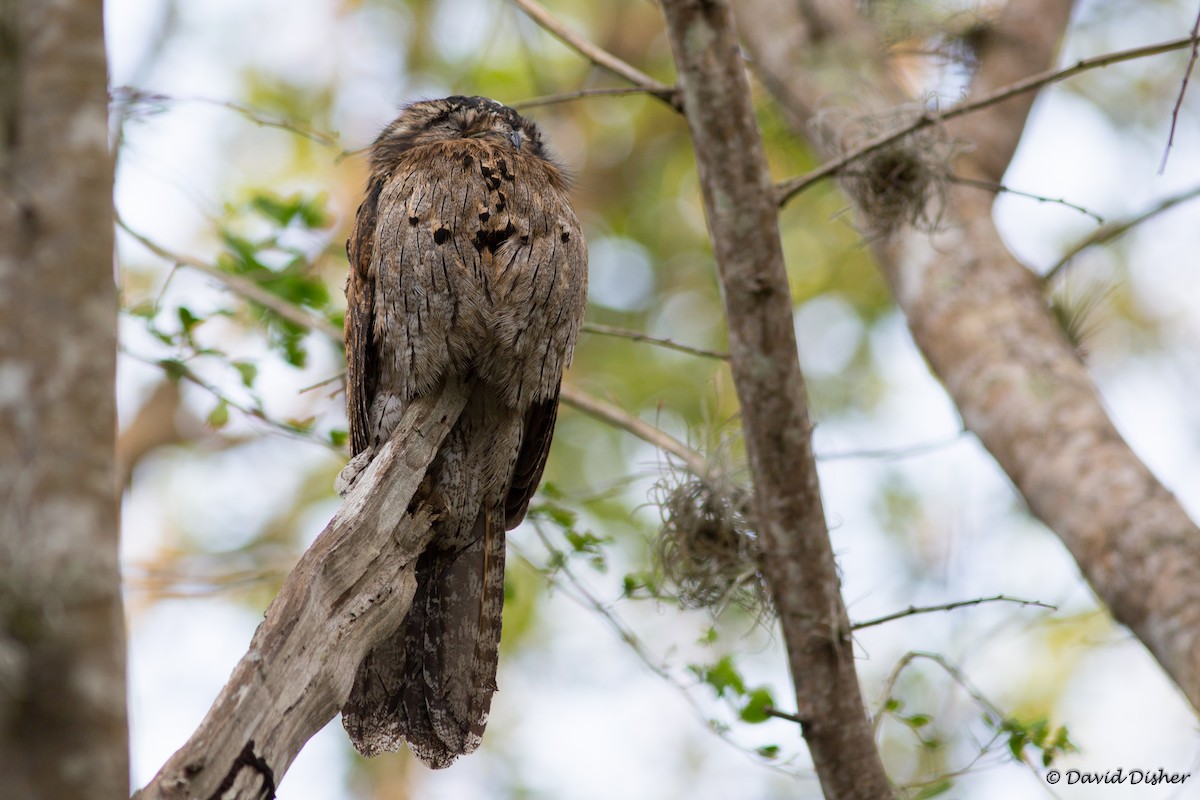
580,593
176,368
957,674
1117,228
959,677
578,94
597,55
608,330
989,186
594,406
132,94
913,610
242,286
891,453
788,189
1187,73
772,712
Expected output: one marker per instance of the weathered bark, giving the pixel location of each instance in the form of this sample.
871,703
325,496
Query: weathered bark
350,590
63,732
797,555
981,320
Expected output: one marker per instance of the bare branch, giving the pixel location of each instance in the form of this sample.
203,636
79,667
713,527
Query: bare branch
564,97
348,592
1116,229
131,94
788,189
637,336
891,453
797,555
597,55
156,425
914,610
175,368
1187,73
993,712
594,406
1000,188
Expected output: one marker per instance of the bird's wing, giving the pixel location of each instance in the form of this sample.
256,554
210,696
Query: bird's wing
362,370
531,460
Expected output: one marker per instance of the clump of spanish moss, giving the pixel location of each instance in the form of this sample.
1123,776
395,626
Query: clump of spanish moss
900,183
707,550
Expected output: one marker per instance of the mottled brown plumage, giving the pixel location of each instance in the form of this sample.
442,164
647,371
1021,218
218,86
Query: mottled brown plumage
466,260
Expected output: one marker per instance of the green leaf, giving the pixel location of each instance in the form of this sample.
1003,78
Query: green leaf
301,425
241,255
584,542
174,368
916,720
219,416
768,751
145,309
755,710
562,517
309,211
248,370
187,319
634,583
724,677
1016,743
275,208
312,211
338,437
939,788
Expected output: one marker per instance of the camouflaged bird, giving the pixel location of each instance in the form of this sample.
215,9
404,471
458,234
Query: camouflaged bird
466,261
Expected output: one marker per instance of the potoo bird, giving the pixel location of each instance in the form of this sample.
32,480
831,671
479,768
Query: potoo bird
466,262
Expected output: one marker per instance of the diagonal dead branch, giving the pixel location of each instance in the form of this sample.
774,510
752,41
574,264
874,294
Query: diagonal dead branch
350,590
1115,229
595,407
597,55
579,94
637,336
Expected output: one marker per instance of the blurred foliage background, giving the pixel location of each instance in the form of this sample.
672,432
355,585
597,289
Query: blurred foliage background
240,131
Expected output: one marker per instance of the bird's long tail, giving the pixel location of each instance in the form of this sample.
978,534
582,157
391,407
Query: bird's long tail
431,683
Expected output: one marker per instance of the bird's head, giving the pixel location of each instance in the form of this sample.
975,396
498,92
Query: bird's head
433,121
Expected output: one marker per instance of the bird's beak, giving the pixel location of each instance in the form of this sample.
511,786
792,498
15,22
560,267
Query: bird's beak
515,138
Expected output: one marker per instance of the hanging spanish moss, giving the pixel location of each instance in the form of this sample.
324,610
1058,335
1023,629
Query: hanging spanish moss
707,550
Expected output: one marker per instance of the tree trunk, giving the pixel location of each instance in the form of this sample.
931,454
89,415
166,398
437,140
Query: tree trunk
63,732
789,518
